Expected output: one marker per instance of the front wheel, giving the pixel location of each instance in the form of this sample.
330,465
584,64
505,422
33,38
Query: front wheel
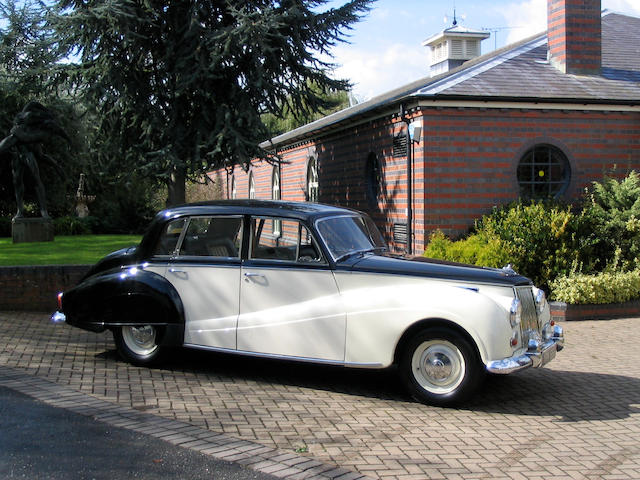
139,345
440,367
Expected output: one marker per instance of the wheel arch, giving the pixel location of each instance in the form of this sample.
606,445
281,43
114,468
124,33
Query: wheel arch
421,325
133,298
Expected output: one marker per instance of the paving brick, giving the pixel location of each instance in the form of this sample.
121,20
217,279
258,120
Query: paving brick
576,419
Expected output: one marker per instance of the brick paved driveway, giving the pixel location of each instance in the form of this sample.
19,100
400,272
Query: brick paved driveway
579,418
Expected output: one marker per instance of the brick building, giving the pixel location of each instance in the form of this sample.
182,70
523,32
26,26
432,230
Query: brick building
541,118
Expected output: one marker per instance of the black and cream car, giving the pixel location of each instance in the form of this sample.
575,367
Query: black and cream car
312,283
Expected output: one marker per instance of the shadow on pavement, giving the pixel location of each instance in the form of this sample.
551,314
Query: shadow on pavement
572,396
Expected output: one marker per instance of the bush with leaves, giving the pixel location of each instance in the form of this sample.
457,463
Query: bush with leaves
474,250
605,287
539,238
610,223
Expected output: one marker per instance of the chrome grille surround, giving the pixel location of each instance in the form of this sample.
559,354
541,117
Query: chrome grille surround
529,325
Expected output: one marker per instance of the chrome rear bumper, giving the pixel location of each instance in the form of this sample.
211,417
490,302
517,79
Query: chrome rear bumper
537,355
58,317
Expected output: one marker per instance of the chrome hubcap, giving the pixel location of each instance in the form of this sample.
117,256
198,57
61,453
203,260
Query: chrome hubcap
141,340
438,366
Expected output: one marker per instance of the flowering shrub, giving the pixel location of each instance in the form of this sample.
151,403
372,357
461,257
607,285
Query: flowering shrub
604,287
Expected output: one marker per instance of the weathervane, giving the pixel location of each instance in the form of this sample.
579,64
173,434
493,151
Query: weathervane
455,18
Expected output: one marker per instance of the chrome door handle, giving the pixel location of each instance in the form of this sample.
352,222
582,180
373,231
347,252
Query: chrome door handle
251,274
176,270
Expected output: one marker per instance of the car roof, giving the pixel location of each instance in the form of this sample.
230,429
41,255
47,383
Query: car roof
298,210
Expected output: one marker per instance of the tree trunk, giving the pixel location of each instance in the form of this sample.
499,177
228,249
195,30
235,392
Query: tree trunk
176,194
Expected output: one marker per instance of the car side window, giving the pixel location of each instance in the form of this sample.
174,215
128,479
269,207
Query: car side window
212,236
293,242
168,240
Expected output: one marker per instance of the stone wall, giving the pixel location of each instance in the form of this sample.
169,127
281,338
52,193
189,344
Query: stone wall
35,288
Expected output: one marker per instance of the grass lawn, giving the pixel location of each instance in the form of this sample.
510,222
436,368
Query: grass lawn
71,250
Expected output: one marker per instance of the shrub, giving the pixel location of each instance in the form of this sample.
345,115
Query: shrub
70,225
539,238
610,223
5,226
604,287
474,250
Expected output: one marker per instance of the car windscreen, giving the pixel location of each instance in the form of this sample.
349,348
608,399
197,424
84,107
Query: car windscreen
349,234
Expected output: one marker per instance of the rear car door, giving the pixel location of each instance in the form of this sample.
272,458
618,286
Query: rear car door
204,268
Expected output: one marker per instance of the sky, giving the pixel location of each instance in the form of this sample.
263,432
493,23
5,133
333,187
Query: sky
385,48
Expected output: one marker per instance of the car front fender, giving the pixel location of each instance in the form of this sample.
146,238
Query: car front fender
378,318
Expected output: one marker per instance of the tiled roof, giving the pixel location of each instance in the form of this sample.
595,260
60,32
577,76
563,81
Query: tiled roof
525,73
517,72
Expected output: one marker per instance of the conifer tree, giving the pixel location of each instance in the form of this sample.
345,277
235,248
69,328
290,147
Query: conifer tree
180,87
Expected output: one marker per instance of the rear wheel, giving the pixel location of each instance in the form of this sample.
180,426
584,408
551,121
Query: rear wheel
440,367
139,345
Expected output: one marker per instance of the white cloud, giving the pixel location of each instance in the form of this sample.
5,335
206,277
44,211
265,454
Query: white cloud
529,17
524,19
376,72
624,6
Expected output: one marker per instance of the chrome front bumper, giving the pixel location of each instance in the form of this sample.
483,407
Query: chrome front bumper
537,355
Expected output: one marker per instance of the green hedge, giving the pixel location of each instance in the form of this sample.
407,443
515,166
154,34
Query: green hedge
599,288
474,250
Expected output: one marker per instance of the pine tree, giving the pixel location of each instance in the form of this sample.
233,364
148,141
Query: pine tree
179,87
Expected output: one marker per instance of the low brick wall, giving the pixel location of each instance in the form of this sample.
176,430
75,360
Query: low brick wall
34,288
562,312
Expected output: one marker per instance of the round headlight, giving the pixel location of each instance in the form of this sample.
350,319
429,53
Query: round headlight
541,300
515,313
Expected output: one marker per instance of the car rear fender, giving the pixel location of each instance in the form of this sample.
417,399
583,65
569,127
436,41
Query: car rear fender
131,296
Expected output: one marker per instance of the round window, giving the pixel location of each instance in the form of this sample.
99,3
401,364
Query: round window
543,172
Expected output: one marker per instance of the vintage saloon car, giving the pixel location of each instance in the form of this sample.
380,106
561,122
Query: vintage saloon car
311,282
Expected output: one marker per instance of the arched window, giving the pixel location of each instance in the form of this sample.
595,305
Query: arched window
275,195
234,188
543,172
372,178
312,180
252,186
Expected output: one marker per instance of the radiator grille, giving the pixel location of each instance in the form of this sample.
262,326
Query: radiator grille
529,315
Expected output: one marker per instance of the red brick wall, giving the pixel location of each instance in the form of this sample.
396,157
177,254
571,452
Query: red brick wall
574,34
471,156
465,164
35,289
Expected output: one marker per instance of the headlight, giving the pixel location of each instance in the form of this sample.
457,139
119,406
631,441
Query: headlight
515,312
541,300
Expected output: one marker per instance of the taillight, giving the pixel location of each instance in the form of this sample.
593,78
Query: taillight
60,301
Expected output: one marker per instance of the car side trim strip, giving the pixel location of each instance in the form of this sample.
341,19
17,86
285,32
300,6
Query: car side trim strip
286,357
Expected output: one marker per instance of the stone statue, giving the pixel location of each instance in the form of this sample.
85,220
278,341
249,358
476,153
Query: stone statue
83,200
34,125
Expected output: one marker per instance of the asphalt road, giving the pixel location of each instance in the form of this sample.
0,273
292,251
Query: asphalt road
41,442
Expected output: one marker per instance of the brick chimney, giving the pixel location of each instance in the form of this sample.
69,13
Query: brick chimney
574,34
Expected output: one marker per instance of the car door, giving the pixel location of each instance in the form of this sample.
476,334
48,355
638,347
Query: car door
289,301
205,270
